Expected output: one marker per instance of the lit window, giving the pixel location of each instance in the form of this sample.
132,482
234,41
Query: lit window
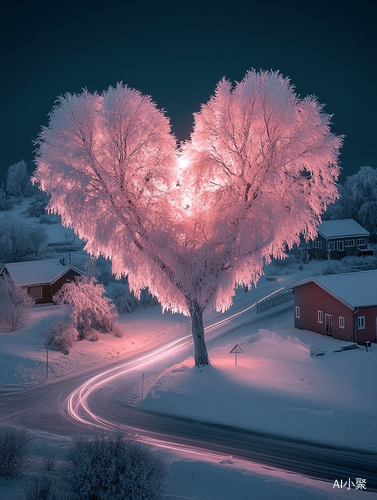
361,322
320,316
297,312
341,322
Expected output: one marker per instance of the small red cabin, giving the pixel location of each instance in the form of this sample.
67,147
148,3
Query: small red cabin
341,305
42,278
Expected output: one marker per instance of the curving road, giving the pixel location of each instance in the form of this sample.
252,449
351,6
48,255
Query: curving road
71,405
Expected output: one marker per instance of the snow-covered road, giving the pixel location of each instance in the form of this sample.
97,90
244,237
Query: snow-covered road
92,400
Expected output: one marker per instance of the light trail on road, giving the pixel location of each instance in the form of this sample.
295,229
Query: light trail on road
77,401
204,440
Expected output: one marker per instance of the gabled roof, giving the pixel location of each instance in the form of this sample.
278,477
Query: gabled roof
341,228
353,289
38,272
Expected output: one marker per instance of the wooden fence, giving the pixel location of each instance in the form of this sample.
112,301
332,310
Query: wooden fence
275,300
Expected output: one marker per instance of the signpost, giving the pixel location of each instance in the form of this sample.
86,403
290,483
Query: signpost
236,350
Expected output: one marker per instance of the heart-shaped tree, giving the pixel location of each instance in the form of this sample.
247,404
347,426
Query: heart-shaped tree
191,225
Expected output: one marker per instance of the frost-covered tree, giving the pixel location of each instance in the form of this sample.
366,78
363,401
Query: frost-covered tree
15,303
18,180
38,205
91,310
18,240
5,201
358,199
260,168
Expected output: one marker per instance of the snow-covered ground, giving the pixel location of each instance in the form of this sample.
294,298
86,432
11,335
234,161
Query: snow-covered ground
276,386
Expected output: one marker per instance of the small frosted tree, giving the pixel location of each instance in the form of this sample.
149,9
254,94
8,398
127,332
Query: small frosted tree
15,303
91,310
18,180
260,168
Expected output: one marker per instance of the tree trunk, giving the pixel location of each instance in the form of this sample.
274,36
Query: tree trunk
201,354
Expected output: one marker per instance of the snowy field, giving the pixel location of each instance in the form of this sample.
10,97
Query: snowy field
276,387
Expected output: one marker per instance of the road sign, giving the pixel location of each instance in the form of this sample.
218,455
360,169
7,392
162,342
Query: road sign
236,350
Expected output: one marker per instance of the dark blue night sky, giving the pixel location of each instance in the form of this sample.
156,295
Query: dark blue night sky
178,51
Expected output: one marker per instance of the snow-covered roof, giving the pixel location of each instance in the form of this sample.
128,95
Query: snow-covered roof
38,272
341,228
353,289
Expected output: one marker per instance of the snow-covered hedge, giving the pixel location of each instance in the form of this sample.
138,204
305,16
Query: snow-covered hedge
114,467
14,446
61,335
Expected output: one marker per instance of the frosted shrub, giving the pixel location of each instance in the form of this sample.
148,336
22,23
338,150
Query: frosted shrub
91,310
61,335
41,487
330,268
124,301
37,207
5,201
113,467
18,240
146,299
15,303
14,446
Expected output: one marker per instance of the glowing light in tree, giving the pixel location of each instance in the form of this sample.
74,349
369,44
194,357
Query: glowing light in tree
258,171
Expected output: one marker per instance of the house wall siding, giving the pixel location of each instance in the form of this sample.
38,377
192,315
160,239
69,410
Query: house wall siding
46,294
351,250
369,332
70,275
311,298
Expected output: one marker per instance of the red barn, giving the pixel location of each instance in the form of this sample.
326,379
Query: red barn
42,278
341,305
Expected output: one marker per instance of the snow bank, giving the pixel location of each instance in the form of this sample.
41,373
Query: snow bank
278,388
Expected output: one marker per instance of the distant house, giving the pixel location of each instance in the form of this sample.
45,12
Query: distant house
339,238
341,305
42,278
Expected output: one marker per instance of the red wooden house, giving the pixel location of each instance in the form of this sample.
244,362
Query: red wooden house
42,278
341,305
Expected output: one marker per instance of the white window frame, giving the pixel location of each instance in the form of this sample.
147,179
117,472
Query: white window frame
317,244
360,241
297,312
36,292
330,245
320,317
339,245
341,322
349,243
361,322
